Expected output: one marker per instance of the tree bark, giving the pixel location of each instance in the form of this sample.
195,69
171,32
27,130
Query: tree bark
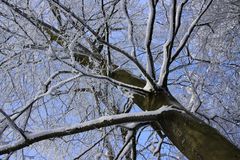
193,137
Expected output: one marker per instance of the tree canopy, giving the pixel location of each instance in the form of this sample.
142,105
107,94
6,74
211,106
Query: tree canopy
119,79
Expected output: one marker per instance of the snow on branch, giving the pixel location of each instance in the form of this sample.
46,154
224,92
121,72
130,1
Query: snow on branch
104,121
189,32
130,27
126,146
148,38
136,89
179,15
101,40
167,48
37,22
175,22
12,124
42,93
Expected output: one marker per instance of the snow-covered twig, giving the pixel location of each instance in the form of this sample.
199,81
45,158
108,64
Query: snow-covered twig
13,124
189,31
71,47
158,148
42,93
127,145
84,152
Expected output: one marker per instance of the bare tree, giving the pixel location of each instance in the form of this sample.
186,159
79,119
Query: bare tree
74,74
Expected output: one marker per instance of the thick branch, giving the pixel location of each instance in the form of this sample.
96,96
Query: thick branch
195,139
167,48
148,38
179,15
85,126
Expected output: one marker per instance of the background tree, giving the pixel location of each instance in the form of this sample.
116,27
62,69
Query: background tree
74,74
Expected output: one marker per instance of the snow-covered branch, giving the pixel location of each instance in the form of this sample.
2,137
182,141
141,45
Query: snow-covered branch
42,93
179,15
175,22
12,124
104,121
189,31
101,40
136,89
37,22
148,38
130,28
126,146
167,48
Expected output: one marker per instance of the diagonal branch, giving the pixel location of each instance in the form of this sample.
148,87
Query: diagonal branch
136,89
45,91
82,53
13,124
56,14
125,148
30,18
104,121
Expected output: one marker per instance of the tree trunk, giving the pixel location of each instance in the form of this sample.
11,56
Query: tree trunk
193,137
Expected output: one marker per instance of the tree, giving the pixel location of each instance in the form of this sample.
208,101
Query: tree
73,74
